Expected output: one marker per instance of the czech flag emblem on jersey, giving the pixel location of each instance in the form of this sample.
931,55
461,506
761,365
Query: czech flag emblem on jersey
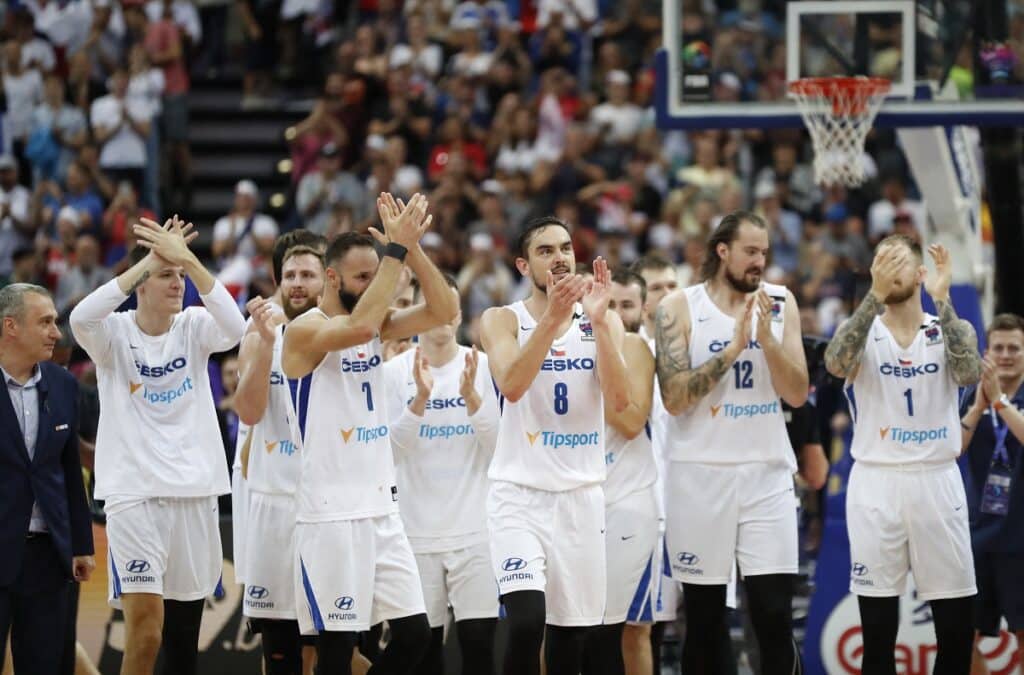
557,352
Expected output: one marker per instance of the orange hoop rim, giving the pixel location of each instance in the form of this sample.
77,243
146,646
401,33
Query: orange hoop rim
830,87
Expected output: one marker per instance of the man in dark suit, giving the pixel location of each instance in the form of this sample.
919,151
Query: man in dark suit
45,528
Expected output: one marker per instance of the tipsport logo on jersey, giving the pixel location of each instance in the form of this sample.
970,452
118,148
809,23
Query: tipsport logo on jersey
363,434
556,440
913,436
732,411
161,396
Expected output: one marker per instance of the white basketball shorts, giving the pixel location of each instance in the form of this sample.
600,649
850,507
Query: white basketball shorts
168,546
270,570
719,515
631,538
352,574
909,518
551,542
462,578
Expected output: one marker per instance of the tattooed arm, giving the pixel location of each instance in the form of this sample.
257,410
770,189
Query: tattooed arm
961,345
958,335
842,357
682,386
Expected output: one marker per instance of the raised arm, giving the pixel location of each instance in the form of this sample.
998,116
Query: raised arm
608,333
786,361
682,385
513,367
630,422
440,305
844,351
958,336
255,359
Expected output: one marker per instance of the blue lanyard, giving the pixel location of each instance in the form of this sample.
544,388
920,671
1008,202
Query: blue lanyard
1001,429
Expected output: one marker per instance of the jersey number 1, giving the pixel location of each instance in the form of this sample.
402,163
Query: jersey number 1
369,396
909,395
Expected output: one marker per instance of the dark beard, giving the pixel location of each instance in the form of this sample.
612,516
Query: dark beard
741,284
347,300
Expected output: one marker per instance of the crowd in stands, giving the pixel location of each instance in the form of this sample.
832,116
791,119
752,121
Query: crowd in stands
498,110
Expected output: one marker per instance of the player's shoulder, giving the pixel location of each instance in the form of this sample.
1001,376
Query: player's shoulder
634,346
500,318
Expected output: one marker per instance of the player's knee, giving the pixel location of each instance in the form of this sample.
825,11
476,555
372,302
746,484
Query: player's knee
146,637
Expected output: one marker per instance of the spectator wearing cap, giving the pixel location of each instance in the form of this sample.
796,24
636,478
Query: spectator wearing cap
60,252
784,227
489,15
59,130
16,226
882,213
244,232
484,281
423,56
320,191
166,48
470,59
23,89
618,120
85,275
121,126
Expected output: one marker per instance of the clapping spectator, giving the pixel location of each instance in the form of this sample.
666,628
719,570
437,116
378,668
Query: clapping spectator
484,281
241,239
121,126
23,88
470,59
425,58
618,120
118,219
320,191
58,131
84,276
59,252
784,227
36,52
146,84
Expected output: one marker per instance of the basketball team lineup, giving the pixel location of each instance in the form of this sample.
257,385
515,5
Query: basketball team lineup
581,472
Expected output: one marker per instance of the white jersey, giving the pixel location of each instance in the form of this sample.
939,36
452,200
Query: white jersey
658,424
629,464
441,458
347,468
274,463
740,420
158,434
553,437
904,402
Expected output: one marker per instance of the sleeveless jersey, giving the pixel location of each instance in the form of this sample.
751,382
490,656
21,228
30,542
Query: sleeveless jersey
904,402
741,419
342,431
553,437
273,455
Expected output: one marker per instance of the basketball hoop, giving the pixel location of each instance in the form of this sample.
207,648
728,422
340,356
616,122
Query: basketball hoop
838,111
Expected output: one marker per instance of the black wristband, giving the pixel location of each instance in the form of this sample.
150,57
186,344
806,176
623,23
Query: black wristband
396,251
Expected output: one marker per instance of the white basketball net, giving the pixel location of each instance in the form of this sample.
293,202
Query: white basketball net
838,112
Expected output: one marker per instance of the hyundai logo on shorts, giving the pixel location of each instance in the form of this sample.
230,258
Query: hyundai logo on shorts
137,566
859,569
688,558
258,592
344,603
513,564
